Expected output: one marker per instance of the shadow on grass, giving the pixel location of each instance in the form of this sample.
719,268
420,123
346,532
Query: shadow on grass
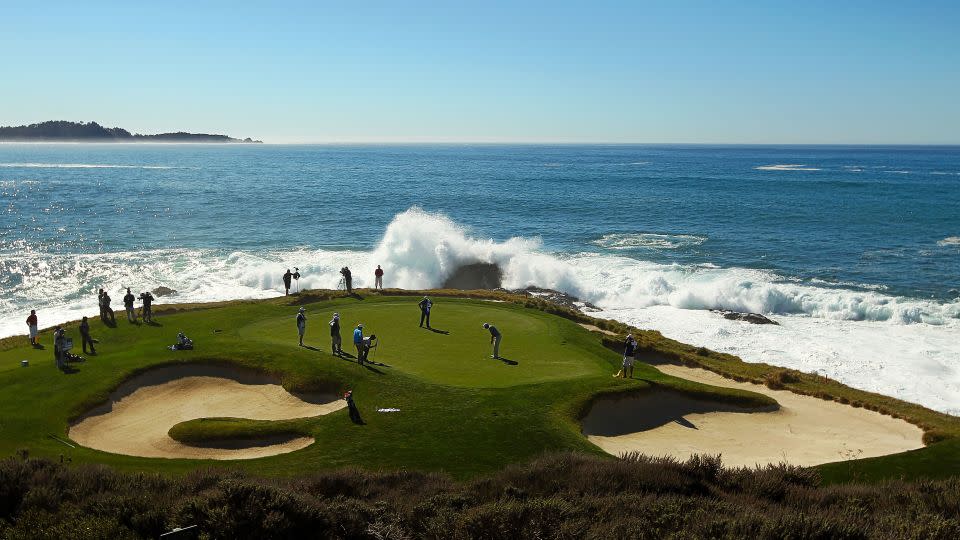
312,348
507,361
435,331
152,323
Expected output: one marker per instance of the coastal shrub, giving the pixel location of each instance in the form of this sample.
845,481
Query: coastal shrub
564,495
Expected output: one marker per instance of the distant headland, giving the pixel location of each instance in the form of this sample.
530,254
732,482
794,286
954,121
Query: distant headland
61,130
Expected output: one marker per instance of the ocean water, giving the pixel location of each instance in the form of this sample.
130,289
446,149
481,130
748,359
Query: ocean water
854,250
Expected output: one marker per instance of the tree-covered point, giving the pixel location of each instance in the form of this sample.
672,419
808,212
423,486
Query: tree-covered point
62,130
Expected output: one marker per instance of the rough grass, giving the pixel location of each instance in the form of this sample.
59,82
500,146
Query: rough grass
553,496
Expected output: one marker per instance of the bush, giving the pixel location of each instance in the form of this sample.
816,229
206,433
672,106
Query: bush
563,495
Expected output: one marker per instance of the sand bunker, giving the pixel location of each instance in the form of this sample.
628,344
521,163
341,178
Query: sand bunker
140,413
804,431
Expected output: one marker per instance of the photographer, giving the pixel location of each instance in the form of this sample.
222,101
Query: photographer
347,279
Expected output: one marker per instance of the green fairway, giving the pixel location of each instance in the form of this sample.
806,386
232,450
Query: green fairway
460,410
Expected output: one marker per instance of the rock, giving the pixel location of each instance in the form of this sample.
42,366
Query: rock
557,297
753,318
163,291
475,276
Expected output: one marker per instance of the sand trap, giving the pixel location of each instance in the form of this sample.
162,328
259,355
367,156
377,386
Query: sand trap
593,328
804,431
140,413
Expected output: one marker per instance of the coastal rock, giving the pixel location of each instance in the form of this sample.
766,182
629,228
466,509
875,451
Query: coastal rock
163,291
475,276
560,298
752,318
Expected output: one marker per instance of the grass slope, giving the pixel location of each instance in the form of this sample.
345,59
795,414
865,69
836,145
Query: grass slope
461,411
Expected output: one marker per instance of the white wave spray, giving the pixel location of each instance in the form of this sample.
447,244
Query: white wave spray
899,346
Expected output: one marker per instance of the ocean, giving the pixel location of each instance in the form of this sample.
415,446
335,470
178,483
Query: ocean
855,251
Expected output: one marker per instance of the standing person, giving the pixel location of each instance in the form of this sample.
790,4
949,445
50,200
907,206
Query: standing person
495,337
367,344
128,301
425,306
34,328
629,355
107,310
85,336
301,323
103,314
335,342
58,342
147,300
378,278
347,279
286,283
358,343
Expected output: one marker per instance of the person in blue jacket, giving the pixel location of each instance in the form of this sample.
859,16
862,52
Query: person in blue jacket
358,342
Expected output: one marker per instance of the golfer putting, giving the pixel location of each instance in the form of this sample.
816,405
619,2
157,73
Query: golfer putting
495,337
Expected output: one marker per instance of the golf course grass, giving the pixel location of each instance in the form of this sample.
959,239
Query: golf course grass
460,411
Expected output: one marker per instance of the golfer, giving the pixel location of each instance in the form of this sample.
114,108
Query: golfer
368,343
425,306
85,336
335,342
286,283
495,337
358,342
128,301
301,323
629,354
34,330
378,278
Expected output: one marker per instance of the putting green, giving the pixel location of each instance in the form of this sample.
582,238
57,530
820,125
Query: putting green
536,347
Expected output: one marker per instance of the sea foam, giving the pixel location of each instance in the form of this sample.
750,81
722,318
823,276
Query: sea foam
900,346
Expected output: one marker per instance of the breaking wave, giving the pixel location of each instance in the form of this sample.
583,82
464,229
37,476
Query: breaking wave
785,167
949,241
648,240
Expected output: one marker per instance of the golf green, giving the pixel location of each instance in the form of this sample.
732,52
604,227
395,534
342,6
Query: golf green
459,410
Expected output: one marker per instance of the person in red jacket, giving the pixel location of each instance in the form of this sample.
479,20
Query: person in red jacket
34,332
378,282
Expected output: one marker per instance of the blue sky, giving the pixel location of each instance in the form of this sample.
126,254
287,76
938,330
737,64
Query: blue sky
699,72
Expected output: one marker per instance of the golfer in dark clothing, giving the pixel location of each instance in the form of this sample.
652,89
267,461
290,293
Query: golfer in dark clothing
425,306
629,356
128,301
495,337
107,310
286,282
347,279
85,336
336,342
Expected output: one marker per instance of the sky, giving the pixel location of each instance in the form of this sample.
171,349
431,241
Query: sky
851,72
